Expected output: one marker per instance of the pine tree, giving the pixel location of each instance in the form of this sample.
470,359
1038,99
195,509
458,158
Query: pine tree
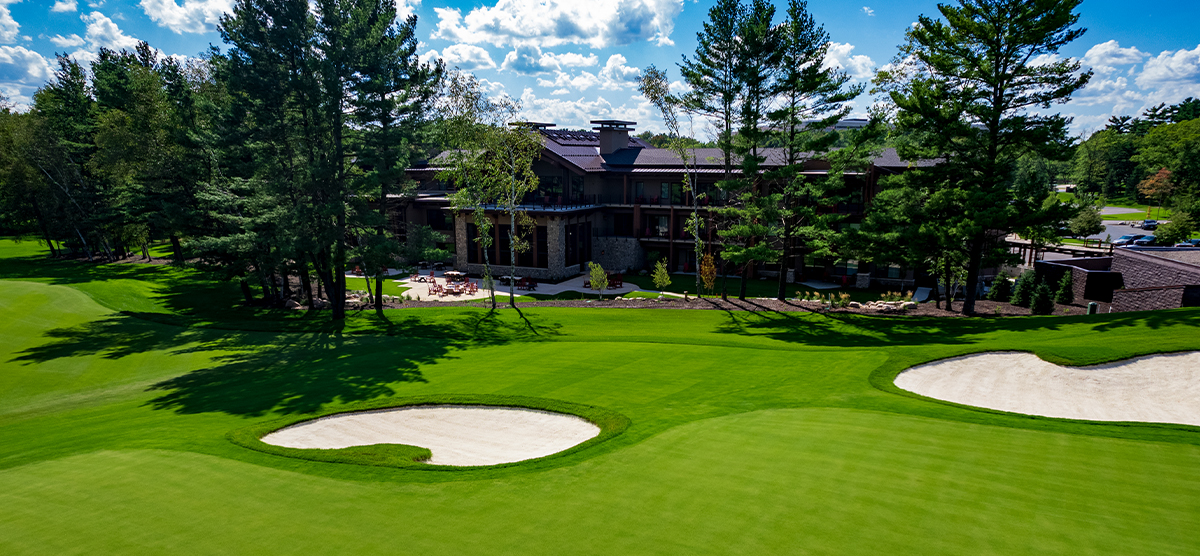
1001,289
1022,294
810,97
1042,300
1066,290
712,73
968,86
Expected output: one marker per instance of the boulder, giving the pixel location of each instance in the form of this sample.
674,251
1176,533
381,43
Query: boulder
855,305
292,304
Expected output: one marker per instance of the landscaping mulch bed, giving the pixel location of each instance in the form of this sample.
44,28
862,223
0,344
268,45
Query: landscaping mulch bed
983,308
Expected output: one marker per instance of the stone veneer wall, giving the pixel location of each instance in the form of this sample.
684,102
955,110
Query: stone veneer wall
1142,269
1150,299
618,254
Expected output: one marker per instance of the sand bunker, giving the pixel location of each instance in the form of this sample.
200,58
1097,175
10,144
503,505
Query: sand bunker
1157,388
456,434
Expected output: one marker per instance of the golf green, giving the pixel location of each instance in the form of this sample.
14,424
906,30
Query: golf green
749,433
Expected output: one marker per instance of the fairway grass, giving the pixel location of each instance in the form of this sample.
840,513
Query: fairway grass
748,433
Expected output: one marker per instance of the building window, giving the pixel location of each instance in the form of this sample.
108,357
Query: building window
578,243
437,219
623,225
543,248
846,268
893,271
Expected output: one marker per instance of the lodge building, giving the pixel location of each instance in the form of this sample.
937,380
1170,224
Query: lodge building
607,197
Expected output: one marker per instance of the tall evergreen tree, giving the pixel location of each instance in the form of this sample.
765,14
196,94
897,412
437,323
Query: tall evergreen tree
713,76
969,84
393,94
810,98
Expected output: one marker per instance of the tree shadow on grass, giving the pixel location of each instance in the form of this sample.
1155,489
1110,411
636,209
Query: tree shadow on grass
850,330
254,373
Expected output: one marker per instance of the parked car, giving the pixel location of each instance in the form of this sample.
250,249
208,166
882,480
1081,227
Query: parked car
1147,241
1127,239
1188,243
1150,225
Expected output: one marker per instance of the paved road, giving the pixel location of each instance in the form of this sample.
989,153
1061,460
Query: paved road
1120,210
1116,231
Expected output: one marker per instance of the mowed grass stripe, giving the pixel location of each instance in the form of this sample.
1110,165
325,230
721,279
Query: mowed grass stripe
751,433
816,481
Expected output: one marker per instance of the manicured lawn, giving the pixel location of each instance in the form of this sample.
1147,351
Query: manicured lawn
751,433
1155,212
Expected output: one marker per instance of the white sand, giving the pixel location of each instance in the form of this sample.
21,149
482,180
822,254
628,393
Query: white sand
456,434
1157,388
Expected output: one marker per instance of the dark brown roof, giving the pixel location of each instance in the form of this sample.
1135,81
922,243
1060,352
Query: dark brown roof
581,149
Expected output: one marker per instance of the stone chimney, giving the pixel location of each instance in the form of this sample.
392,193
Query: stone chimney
614,134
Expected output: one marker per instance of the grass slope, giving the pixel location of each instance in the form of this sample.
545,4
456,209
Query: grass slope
749,433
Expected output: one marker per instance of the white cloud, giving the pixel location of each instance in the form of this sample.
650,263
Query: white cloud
858,66
1109,92
68,41
613,76
530,60
405,8
597,23
616,75
19,64
194,16
1044,59
574,60
578,113
1181,67
867,10
65,6
18,97
491,87
9,29
101,31
581,82
465,56
560,91
1105,55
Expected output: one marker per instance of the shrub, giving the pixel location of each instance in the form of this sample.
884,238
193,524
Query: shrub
1042,301
1066,290
708,274
1001,289
599,278
661,277
1022,294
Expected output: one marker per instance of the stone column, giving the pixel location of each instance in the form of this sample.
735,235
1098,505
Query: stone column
460,243
556,232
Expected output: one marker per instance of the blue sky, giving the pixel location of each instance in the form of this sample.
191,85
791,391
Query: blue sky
572,61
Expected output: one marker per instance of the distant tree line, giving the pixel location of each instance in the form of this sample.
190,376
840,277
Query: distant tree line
1153,159
273,162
